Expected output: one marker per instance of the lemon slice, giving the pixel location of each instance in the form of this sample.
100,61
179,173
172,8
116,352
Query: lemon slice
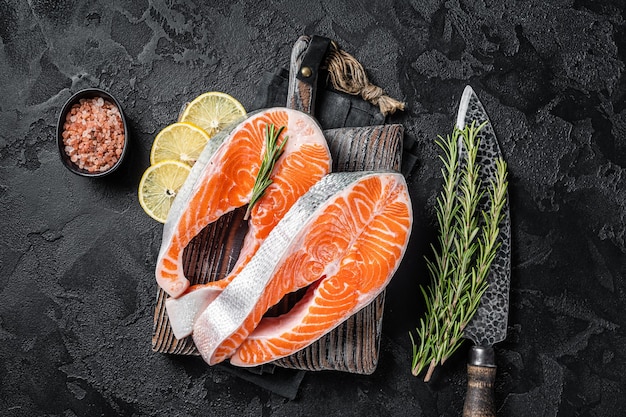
213,111
159,185
180,142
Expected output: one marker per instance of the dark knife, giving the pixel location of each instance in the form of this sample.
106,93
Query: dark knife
489,324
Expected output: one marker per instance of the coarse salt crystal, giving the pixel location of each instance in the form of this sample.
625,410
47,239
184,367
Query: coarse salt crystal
94,134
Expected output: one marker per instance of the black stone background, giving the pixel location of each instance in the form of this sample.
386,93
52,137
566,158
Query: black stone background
77,291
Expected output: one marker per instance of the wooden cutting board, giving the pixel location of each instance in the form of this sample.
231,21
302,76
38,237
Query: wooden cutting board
354,345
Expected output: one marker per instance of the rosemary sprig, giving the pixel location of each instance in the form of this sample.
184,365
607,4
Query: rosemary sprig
273,151
467,247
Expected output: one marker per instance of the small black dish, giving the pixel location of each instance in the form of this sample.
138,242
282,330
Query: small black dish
65,158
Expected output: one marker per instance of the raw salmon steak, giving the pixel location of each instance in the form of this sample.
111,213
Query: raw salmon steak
343,240
222,180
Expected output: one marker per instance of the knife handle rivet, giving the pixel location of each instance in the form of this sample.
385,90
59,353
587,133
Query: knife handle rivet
306,72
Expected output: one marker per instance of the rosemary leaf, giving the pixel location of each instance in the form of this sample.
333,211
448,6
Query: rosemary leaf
273,151
467,245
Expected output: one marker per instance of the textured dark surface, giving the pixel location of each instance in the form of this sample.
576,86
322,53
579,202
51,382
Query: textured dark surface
76,275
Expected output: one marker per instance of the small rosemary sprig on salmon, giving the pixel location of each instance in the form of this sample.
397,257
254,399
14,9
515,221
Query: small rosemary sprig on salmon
273,151
468,241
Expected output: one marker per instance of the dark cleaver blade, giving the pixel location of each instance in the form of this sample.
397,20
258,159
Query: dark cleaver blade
489,324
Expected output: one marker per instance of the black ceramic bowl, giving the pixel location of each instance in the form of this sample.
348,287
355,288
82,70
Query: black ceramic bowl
89,93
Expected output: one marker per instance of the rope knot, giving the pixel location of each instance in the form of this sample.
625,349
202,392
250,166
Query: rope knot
348,75
372,93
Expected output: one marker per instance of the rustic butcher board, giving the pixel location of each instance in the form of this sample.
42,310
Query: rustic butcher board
351,347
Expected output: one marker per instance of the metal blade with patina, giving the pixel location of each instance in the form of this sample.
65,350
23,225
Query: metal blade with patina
489,324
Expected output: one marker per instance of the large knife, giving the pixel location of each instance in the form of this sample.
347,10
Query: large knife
489,324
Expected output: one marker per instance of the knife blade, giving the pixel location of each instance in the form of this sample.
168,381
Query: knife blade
488,326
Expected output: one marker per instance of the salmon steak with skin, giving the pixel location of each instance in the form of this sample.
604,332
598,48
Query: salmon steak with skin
222,180
343,241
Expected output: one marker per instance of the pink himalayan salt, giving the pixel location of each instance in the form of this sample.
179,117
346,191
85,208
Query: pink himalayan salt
93,134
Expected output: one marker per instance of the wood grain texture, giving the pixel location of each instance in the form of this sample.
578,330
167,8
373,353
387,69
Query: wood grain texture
300,95
479,400
208,257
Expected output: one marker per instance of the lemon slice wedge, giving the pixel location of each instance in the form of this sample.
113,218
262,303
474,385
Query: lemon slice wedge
213,111
159,186
180,142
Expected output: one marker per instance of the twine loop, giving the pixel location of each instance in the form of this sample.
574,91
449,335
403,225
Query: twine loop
347,75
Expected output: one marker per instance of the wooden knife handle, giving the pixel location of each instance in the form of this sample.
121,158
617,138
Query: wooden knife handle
300,95
481,375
